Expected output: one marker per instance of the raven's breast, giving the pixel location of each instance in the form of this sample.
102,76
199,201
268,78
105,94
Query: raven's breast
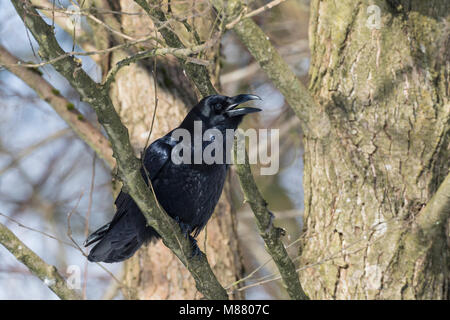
190,192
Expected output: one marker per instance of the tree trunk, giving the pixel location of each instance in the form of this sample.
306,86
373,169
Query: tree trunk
154,272
385,88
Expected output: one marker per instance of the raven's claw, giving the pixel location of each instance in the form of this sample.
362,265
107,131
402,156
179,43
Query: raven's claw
185,228
195,249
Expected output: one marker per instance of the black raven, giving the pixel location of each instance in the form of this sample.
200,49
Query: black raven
187,190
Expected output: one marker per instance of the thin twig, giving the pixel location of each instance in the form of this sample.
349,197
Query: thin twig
197,73
252,273
77,246
76,53
265,7
338,254
36,230
178,52
86,225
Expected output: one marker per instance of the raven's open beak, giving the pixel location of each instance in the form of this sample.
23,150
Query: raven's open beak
239,99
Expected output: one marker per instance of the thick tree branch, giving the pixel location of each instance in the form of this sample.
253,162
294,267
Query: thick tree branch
437,211
64,108
270,234
47,273
313,118
128,164
425,240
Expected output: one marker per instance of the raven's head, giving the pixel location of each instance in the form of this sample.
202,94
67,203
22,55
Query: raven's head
221,112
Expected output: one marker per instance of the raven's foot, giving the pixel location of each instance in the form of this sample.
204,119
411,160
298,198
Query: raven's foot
271,217
195,249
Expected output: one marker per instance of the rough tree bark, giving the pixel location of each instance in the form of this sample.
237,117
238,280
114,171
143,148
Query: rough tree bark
154,272
385,89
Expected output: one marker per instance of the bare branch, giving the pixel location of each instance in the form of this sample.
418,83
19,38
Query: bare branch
265,7
437,210
36,230
197,73
79,53
270,234
181,53
47,8
65,109
47,273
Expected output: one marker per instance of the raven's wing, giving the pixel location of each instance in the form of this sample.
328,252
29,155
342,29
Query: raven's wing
96,235
158,154
132,223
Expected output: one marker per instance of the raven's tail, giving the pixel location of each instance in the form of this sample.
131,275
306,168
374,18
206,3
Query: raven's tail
123,236
115,244
96,235
110,251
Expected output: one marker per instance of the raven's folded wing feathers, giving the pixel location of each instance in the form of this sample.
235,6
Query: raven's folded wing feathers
156,156
128,223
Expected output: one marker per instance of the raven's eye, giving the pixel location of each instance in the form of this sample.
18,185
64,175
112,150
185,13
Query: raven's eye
217,108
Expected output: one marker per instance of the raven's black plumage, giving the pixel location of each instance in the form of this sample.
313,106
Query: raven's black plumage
187,192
